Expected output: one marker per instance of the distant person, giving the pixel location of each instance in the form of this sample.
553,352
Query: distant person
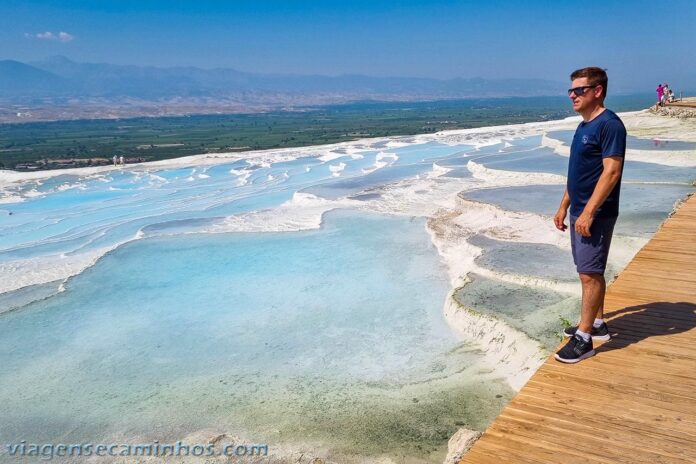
115,158
665,91
121,160
660,93
670,96
592,194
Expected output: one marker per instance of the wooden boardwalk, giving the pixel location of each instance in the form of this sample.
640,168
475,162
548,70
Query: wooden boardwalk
635,401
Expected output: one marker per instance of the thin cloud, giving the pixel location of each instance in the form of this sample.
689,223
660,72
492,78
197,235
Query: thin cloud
48,35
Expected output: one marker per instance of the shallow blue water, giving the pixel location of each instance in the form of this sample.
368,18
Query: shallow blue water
643,207
351,304
636,143
543,159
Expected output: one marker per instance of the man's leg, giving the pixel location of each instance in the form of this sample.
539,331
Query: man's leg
593,289
590,256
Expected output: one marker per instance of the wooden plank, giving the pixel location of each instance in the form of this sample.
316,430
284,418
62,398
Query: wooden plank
553,389
501,450
657,316
553,449
659,275
639,372
655,292
554,429
613,385
671,419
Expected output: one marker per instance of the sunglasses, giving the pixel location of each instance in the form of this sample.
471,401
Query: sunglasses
580,91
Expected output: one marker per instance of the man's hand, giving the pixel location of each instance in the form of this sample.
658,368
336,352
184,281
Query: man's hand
583,224
559,219
611,174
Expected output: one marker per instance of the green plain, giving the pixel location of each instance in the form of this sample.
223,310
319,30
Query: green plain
157,138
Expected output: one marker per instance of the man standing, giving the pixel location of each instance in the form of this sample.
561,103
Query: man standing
592,193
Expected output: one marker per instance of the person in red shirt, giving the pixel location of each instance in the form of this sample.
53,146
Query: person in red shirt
660,94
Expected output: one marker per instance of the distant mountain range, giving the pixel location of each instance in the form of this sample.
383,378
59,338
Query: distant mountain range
59,77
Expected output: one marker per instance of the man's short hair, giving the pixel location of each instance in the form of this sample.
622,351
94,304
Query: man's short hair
594,75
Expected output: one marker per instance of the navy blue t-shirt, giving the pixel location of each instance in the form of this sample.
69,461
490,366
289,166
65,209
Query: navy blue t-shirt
595,140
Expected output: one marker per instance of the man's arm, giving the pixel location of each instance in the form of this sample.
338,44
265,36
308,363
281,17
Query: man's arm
559,218
606,183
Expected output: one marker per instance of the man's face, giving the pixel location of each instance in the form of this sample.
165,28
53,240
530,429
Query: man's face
588,99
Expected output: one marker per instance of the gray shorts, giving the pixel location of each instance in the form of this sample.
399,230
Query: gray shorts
590,253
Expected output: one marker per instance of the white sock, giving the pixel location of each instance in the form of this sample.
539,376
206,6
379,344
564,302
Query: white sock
597,323
585,336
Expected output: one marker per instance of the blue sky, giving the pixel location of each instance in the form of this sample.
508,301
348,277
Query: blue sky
639,44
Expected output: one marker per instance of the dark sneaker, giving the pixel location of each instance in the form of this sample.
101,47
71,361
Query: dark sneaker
600,333
575,350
